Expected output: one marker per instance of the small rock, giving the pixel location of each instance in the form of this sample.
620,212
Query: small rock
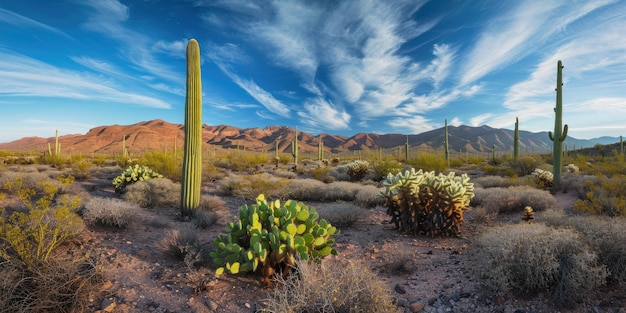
128,242
416,307
432,301
247,305
400,289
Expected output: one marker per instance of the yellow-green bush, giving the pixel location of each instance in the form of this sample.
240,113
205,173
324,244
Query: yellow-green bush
428,162
607,196
250,186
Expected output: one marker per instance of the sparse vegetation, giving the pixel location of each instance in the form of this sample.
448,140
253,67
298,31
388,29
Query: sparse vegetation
534,258
153,193
513,199
109,212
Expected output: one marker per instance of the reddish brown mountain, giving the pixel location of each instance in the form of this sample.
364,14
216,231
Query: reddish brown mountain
161,135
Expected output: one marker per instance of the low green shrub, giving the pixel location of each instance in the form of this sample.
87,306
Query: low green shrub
29,238
367,196
166,163
382,168
428,162
491,181
249,186
335,286
133,174
605,196
524,165
534,258
268,237
340,213
109,212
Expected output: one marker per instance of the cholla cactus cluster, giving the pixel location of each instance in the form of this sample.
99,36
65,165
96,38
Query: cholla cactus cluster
357,169
270,236
133,174
427,203
543,179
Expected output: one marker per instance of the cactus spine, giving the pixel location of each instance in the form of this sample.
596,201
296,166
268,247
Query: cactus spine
516,140
445,144
192,159
559,136
294,147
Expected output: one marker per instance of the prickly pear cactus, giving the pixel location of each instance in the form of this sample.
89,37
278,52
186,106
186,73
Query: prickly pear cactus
269,237
133,174
425,203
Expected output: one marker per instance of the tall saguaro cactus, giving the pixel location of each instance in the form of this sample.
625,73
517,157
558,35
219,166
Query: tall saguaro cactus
407,148
516,140
559,135
294,147
192,160
320,149
445,144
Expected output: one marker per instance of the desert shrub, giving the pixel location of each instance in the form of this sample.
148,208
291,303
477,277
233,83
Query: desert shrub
425,203
15,181
524,165
534,258
320,173
606,236
60,286
340,190
368,196
270,236
179,242
212,203
580,184
428,162
153,193
29,238
383,168
212,173
109,212
491,181
241,161
133,174
81,168
605,196
204,219
514,199
305,189
162,162
334,286
341,214
249,186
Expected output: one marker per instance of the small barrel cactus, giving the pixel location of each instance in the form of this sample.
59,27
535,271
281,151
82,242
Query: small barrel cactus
270,236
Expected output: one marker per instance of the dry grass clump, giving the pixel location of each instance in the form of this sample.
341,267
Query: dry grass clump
492,181
250,186
340,214
368,196
333,286
153,193
607,236
182,243
534,258
64,286
341,190
513,199
109,212
13,181
305,189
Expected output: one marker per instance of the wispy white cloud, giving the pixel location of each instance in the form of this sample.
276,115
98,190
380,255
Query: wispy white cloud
23,76
480,119
320,113
415,124
22,21
520,30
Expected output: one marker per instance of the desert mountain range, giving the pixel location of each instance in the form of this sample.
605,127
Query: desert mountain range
162,135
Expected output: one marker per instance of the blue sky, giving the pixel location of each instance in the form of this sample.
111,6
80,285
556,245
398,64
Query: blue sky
338,67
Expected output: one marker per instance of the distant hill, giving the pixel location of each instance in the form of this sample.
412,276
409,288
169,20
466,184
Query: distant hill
161,135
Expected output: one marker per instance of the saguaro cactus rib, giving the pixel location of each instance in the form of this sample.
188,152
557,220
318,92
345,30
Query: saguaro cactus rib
192,160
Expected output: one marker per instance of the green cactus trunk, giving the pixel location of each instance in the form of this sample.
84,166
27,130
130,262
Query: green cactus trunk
621,146
516,140
320,150
192,160
559,136
493,154
407,148
445,144
294,147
